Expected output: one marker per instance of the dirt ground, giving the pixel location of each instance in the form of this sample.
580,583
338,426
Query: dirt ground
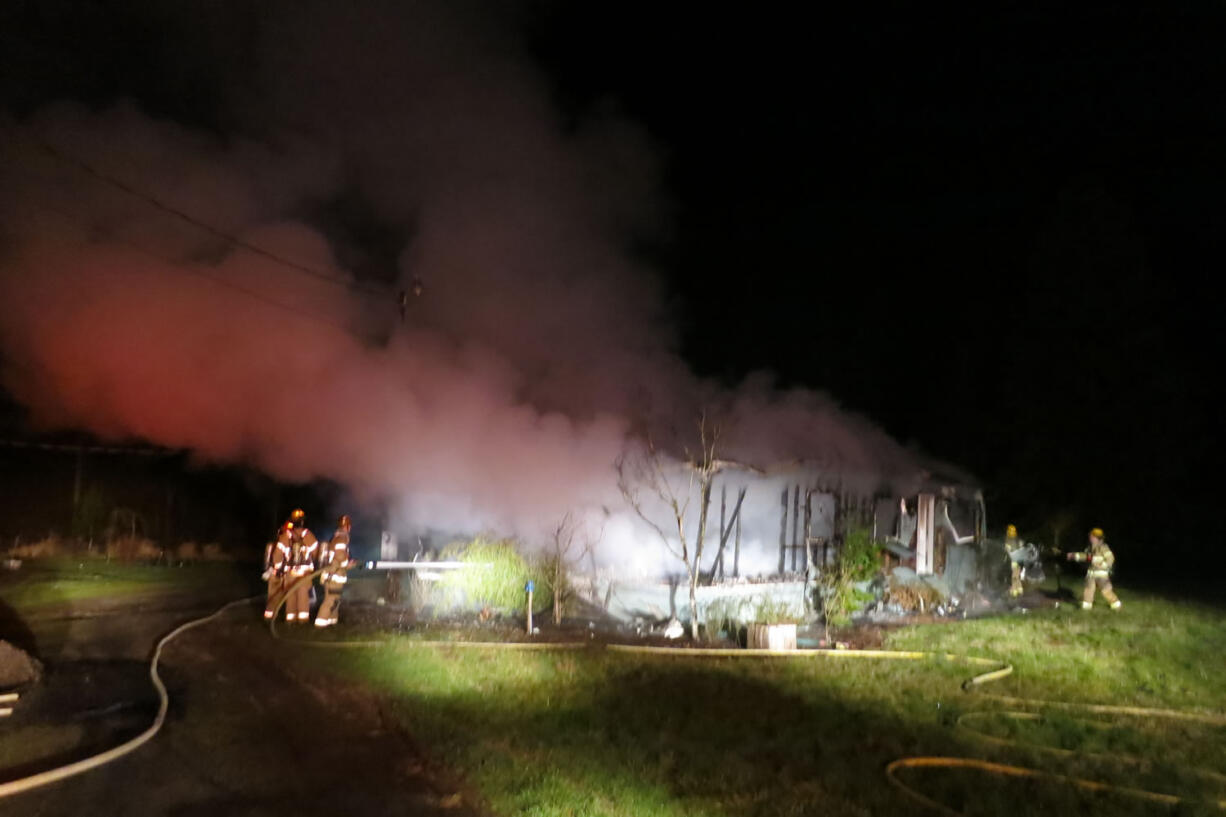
246,734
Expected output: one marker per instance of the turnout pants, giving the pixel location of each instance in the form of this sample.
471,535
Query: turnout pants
1015,579
329,611
1102,583
298,604
275,586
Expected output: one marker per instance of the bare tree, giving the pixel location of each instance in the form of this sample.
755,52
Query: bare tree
570,541
649,472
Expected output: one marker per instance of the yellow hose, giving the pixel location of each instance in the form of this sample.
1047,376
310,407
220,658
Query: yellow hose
1128,760
971,685
999,670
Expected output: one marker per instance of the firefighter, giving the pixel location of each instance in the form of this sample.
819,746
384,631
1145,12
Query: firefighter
1098,575
276,564
1012,543
335,566
304,551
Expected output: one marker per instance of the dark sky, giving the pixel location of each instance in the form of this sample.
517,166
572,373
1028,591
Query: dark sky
996,231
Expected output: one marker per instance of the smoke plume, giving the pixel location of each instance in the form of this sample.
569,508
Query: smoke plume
538,350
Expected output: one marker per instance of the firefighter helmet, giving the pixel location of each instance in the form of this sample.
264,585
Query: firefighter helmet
344,521
297,515
1096,533
1011,531
288,526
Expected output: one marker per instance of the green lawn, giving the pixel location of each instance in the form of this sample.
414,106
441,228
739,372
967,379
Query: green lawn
594,732
41,584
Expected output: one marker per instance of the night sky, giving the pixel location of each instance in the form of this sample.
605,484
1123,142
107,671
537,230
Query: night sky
996,232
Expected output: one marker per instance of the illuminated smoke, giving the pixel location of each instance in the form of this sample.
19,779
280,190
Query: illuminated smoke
538,350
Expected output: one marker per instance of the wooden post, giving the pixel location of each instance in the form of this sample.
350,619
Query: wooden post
736,553
924,543
783,533
76,481
836,525
810,573
795,525
725,530
168,527
723,527
530,589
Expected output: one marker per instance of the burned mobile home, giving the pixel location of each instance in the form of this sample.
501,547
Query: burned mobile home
773,530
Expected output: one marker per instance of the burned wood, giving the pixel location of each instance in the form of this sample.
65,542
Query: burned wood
795,525
783,533
736,553
725,531
810,573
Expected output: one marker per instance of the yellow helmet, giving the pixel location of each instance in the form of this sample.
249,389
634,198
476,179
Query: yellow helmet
1097,533
1011,531
297,515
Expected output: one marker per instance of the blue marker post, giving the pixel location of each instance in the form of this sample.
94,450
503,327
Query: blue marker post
530,586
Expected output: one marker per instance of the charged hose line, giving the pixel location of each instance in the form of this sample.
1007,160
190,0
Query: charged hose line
964,720
998,671
1007,770
25,784
972,685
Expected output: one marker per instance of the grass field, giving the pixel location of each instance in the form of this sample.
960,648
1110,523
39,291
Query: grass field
40,584
593,732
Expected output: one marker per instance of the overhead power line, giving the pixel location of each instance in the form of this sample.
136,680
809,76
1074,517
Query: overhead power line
71,160
198,272
143,451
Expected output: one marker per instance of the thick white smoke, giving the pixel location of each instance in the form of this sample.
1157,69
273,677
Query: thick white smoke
538,351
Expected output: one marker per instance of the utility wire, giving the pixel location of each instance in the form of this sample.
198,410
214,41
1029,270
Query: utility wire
74,161
39,372
191,270
89,449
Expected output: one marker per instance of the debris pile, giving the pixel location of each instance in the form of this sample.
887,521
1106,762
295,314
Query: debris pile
915,594
17,667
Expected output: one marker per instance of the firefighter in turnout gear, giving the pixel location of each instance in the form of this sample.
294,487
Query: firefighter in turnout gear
335,566
1098,574
1012,543
276,565
304,551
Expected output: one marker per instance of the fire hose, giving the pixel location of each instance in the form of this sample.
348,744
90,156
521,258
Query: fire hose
33,781
1000,670
996,671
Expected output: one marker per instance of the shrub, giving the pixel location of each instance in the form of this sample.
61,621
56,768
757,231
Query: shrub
47,548
858,561
212,552
495,580
132,548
